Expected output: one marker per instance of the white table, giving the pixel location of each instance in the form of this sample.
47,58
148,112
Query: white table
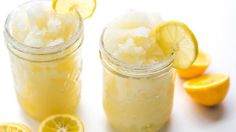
213,23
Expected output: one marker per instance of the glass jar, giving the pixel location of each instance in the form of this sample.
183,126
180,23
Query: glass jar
137,98
47,79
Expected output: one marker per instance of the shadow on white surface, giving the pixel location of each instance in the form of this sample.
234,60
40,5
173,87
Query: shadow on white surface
30,122
166,127
109,128
212,114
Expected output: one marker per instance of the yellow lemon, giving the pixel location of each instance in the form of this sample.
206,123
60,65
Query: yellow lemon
62,123
86,8
197,68
208,89
176,38
13,127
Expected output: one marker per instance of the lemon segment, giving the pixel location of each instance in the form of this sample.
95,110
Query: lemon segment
197,68
208,89
13,127
86,8
175,37
61,123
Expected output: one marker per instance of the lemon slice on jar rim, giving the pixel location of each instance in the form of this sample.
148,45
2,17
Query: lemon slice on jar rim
86,8
175,37
197,68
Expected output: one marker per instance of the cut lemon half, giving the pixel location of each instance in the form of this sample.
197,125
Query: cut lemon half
208,89
175,37
13,127
197,68
86,8
62,123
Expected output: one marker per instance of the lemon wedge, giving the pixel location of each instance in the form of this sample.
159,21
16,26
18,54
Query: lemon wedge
86,8
197,68
61,123
208,89
13,127
175,37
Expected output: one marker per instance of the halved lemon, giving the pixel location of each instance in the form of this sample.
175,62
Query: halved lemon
13,127
175,37
197,68
86,8
208,89
62,123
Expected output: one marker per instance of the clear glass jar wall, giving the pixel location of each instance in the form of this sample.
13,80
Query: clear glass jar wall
137,98
47,79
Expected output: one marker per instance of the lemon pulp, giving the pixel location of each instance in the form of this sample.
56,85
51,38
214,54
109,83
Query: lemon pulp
86,8
13,127
61,123
197,68
209,89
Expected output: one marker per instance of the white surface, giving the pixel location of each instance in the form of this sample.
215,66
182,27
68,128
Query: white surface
213,23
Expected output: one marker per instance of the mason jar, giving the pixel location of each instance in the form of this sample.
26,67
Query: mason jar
137,98
47,79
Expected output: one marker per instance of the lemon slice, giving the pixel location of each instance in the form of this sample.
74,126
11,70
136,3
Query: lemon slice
61,123
86,8
197,68
175,37
13,127
209,89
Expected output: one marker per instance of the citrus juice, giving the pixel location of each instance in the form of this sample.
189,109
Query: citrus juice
138,105
46,58
138,52
138,78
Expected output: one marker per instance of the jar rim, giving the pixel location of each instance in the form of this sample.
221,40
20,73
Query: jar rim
133,69
20,46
